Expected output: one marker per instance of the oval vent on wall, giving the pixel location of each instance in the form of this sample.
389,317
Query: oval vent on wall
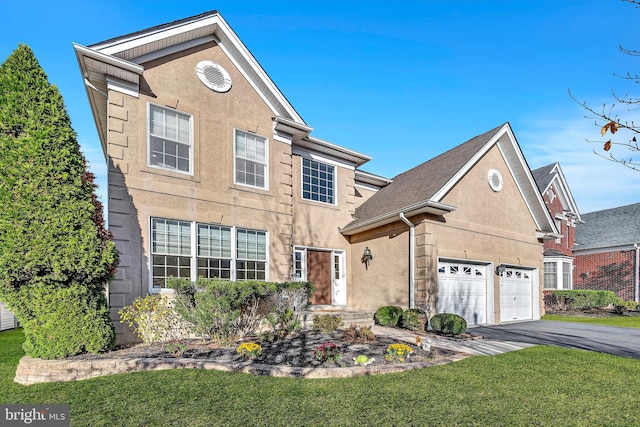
213,76
495,180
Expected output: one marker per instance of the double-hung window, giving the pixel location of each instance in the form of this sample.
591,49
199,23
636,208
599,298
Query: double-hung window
171,249
318,181
170,139
214,251
185,249
250,152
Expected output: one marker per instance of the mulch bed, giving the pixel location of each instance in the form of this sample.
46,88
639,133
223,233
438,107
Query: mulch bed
296,351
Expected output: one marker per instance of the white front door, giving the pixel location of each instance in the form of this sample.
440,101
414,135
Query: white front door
516,295
462,290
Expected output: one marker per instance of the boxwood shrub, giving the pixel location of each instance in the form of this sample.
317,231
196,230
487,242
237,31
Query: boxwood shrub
582,299
448,324
414,319
388,315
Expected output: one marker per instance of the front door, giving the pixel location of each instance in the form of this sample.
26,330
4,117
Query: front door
319,272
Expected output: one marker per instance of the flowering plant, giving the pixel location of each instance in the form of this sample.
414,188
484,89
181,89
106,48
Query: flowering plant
249,349
397,352
327,351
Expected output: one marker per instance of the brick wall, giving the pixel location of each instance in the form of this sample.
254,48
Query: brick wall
610,271
568,231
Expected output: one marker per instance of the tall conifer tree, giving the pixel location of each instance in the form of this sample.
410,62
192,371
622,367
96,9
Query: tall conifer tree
53,243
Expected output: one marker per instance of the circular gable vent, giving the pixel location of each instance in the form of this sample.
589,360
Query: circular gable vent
213,76
495,180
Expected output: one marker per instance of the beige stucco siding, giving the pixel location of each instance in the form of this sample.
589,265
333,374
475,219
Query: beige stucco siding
487,227
138,192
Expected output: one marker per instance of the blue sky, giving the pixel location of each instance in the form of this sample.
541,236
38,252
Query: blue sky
401,81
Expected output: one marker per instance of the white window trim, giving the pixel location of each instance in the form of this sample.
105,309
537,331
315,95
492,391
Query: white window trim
194,251
148,130
559,262
266,160
335,181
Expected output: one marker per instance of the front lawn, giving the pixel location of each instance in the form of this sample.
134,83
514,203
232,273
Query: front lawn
542,386
624,321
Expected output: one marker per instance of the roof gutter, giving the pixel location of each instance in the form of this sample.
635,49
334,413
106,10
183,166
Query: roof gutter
412,238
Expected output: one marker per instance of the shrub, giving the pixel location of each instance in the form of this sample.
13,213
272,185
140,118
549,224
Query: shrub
356,333
413,319
582,299
52,232
151,318
388,315
448,324
67,321
329,351
327,323
224,310
176,347
397,352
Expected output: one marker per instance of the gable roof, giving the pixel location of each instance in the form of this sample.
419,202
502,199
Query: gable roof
422,189
117,63
552,174
609,228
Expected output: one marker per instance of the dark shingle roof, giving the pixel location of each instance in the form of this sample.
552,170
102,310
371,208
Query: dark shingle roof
610,227
422,182
543,176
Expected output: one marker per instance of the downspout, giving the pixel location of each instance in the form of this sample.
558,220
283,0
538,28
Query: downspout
412,237
637,287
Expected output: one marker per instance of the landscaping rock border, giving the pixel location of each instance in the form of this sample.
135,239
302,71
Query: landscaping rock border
33,371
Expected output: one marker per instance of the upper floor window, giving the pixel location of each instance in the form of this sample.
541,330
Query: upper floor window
318,181
251,159
170,136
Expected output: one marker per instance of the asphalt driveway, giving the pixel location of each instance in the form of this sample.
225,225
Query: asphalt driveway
604,339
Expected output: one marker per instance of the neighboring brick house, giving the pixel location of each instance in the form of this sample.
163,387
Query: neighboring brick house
212,173
558,252
606,251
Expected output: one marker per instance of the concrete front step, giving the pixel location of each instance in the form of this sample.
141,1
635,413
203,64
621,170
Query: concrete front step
349,317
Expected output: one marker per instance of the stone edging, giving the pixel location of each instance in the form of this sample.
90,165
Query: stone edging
33,371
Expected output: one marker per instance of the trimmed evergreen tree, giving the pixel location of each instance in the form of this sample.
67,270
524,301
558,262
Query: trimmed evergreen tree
53,241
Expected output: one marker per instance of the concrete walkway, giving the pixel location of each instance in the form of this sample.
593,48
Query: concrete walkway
476,347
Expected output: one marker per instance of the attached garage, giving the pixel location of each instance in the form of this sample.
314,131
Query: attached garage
516,295
462,290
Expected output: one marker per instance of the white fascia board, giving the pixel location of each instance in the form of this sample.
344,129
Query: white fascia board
107,59
570,201
427,206
123,87
174,49
323,158
335,147
253,63
463,171
137,40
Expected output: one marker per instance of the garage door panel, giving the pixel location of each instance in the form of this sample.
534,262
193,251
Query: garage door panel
462,290
516,295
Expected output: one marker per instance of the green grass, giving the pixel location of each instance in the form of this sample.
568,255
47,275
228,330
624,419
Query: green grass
541,386
624,321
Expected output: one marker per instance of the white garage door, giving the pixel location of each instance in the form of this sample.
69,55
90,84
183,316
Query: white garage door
516,295
462,290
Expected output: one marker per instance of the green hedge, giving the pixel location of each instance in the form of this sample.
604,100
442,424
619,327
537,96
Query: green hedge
388,315
582,299
448,324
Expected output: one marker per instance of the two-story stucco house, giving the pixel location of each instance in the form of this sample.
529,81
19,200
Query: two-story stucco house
212,173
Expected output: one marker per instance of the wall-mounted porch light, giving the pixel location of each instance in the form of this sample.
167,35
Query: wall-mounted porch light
500,269
367,256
